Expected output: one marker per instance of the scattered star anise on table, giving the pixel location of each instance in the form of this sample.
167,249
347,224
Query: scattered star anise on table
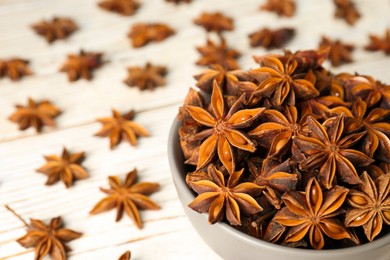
146,78
129,196
214,22
378,43
121,127
125,256
14,68
35,114
57,28
66,167
346,9
339,52
269,38
82,65
280,7
122,7
144,33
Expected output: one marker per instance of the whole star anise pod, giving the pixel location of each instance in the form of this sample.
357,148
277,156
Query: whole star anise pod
223,132
269,38
121,127
66,168
14,68
125,256
220,198
129,196
378,43
214,22
143,33
346,9
280,7
57,28
313,212
179,1
35,114
82,65
339,52
370,205
146,78
123,7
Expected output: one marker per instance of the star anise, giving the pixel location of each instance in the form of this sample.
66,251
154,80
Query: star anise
57,28
223,131
14,68
214,22
121,127
128,196
35,114
378,43
146,78
125,256
280,7
222,198
346,9
313,212
179,1
214,53
142,33
82,65
269,38
339,52
67,168
370,205
123,7
328,152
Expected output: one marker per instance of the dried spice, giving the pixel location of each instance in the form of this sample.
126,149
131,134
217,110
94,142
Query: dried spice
125,256
378,43
123,7
35,114
213,53
121,127
269,39
14,68
82,65
143,33
57,28
146,78
179,1
280,7
346,9
66,168
129,196
339,52
214,22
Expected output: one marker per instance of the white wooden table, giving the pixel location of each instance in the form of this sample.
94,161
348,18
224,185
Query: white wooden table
167,234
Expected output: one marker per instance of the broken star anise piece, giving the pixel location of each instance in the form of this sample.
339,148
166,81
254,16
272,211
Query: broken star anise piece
214,22
143,33
66,167
123,7
35,114
370,205
129,196
14,68
313,212
81,65
146,78
269,38
378,43
339,52
178,1
346,9
280,7
57,28
222,198
125,256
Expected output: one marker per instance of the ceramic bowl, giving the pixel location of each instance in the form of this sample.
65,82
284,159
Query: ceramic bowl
230,243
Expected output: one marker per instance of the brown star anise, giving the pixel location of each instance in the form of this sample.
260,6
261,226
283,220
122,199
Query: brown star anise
123,7
67,168
223,131
370,205
214,22
378,43
82,65
179,1
339,52
57,28
128,196
35,114
346,9
125,256
220,198
269,38
280,7
313,212
121,127
142,33
146,78
14,68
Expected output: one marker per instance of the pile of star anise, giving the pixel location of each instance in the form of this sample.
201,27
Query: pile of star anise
289,152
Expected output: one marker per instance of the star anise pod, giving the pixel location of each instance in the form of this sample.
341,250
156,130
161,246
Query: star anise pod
125,256
146,78
280,7
129,196
81,65
346,9
35,114
327,151
14,68
214,22
339,52
378,43
313,212
222,198
223,132
269,38
67,168
121,127
123,7
370,205
214,53
143,33
57,28
179,1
